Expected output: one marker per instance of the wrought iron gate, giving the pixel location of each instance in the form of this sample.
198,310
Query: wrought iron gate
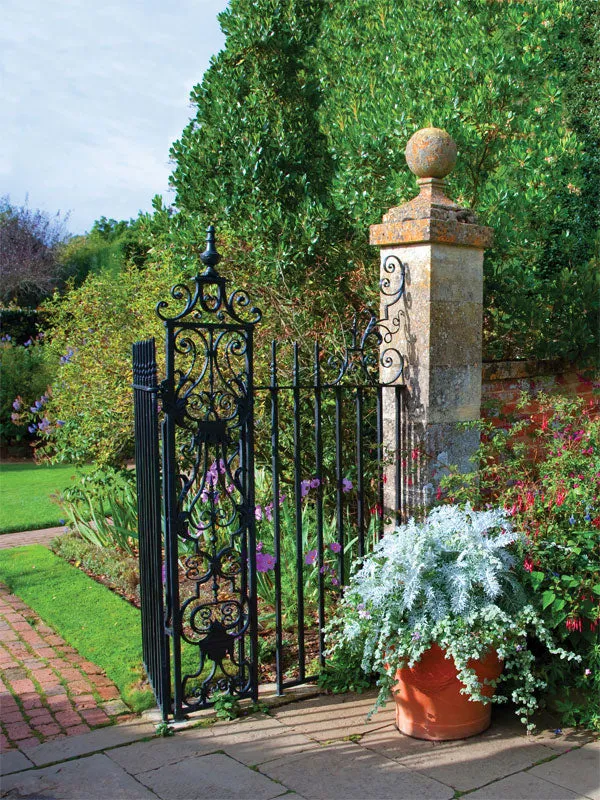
209,569
322,468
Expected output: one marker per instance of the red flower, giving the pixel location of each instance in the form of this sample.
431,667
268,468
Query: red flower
529,499
574,624
596,522
560,497
528,564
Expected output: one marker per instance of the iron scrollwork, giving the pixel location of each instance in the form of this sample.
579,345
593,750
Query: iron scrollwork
370,351
207,400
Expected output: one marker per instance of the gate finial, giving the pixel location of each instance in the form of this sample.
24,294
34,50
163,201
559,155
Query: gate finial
210,257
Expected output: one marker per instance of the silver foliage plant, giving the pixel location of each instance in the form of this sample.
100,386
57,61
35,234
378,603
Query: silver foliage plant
448,580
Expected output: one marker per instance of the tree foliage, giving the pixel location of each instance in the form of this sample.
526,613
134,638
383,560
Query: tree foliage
301,122
29,244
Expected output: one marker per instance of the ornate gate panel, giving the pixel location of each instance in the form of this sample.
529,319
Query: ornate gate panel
208,489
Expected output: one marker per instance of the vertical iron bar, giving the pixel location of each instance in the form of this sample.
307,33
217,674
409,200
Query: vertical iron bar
319,503
154,640
276,517
171,541
380,464
360,511
339,476
251,500
298,509
398,454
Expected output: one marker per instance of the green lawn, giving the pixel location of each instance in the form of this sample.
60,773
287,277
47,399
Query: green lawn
25,491
99,624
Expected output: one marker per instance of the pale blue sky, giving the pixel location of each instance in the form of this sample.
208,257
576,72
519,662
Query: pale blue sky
92,95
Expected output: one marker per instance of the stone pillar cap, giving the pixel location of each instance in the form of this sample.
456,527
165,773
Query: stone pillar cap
431,153
431,217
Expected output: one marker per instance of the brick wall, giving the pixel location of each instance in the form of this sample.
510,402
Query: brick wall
503,382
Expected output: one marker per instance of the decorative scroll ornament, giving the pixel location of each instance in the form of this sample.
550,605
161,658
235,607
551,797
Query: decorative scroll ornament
207,300
370,350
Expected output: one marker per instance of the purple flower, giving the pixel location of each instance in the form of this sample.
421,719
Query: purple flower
258,514
265,562
281,499
17,404
32,428
310,557
416,636
259,547
269,511
60,422
324,569
16,418
44,424
61,521
304,488
347,485
572,520
335,582
315,483
28,342
362,611
335,547
67,356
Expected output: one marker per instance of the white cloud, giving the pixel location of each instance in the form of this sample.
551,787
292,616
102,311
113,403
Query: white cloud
93,96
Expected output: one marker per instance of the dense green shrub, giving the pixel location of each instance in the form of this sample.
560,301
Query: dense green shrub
25,375
301,123
545,470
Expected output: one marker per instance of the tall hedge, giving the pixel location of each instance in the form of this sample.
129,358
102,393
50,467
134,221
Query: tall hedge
297,144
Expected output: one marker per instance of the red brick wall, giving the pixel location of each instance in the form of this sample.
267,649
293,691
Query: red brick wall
504,381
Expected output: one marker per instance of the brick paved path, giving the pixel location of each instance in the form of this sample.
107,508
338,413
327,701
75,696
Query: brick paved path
47,690
43,536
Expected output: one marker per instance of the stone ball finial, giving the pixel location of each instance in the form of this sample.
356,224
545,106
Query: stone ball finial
431,153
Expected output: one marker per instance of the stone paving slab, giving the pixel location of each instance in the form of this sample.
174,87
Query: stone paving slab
578,771
327,718
22,538
92,778
215,776
136,758
349,771
214,761
101,739
470,763
47,690
13,761
523,786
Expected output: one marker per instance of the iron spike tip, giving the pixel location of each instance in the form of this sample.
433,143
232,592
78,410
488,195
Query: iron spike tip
210,257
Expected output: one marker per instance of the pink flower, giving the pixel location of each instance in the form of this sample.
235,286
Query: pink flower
528,564
335,547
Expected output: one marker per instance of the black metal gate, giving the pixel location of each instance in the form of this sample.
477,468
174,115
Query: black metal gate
221,606
207,427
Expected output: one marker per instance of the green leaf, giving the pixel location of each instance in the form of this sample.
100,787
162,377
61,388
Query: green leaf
548,598
536,579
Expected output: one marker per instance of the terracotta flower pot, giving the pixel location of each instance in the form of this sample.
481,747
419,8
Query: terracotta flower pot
429,704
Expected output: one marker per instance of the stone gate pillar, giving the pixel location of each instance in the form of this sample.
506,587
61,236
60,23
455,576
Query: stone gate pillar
437,248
